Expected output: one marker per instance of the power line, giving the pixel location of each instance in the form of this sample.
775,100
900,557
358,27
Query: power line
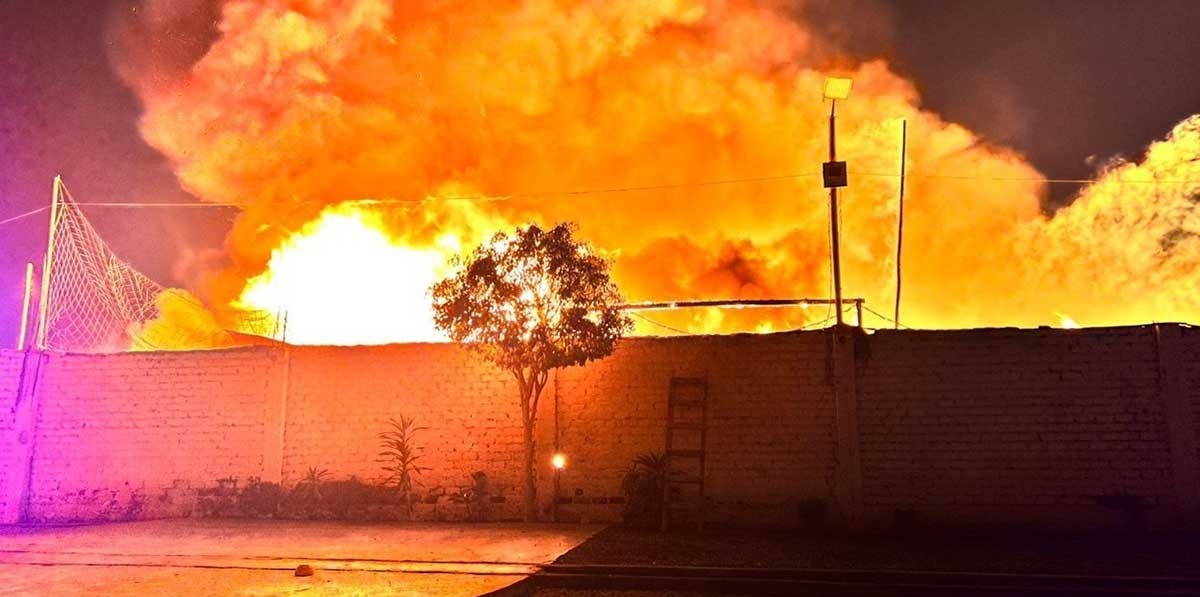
585,192
134,204
501,197
24,215
661,325
884,317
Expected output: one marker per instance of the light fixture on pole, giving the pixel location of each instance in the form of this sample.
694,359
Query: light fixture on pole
834,176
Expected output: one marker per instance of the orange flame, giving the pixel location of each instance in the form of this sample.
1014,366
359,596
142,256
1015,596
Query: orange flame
1067,323
304,104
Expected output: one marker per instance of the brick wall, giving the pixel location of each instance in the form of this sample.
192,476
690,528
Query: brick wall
1188,358
770,439
770,419
340,399
127,435
12,459
999,427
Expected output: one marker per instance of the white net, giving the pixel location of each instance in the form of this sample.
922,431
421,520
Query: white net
95,302
93,297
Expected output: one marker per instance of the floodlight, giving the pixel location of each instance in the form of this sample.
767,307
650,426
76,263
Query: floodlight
837,88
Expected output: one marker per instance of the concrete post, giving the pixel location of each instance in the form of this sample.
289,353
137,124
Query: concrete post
1181,425
275,421
848,474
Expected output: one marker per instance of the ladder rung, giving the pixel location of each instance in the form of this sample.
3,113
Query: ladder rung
684,402
689,480
695,426
686,453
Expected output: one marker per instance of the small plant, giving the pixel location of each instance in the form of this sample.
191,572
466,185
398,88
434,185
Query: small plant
643,487
813,513
310,485
474,496
399,455
259,499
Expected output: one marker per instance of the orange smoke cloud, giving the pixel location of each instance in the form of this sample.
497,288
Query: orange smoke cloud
302,105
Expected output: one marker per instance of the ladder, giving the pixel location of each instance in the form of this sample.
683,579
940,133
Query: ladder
687,429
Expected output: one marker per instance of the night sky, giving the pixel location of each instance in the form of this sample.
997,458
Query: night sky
1065,82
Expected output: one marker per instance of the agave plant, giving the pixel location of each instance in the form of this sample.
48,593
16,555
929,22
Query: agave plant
399,455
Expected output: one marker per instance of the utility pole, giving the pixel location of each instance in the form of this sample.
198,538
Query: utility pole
834,174
900,224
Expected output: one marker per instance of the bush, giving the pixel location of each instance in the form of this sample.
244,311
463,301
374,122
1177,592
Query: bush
474,496
643,487
813,513
260,500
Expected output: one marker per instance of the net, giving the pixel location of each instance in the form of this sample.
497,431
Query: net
92,297
96,302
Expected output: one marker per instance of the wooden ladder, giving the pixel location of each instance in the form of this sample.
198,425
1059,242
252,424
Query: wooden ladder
687,430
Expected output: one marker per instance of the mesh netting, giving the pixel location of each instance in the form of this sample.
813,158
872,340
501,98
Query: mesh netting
98,303
93,297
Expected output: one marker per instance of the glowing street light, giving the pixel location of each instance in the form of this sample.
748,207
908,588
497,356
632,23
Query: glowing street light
834,174
559,461
837,88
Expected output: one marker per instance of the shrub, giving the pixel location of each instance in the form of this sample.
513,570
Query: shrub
474,496
260,500
813,513
643,487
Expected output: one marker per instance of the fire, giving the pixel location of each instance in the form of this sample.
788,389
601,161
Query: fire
684,136
342,276
1065,322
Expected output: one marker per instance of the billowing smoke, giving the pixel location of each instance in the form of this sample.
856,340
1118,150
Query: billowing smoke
716,105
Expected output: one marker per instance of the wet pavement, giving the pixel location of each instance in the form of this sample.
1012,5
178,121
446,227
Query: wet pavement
222,557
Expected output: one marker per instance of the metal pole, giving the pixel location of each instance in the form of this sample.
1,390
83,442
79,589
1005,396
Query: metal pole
44,291
858,311
900,225
557,451
833,219
25,306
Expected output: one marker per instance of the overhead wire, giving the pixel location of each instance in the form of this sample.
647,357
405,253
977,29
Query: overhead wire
24,215
643,188
658,324
882,316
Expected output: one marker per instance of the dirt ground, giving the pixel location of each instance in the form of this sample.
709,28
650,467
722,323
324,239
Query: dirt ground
204,557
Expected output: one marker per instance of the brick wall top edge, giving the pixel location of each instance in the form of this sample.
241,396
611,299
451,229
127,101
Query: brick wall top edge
1186,328
638,340
160,353
1044,330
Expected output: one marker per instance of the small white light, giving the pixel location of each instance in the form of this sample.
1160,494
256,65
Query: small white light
559,461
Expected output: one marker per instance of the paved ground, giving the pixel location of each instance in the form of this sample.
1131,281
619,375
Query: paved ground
206,557
1021,554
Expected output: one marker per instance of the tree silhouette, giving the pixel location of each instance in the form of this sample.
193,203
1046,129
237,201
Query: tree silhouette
530,302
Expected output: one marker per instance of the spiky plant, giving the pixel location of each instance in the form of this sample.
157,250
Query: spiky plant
311,483
399,454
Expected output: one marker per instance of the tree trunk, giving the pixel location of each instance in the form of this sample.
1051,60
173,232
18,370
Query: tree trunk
530,480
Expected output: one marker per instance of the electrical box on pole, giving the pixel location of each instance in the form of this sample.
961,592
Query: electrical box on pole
834,174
